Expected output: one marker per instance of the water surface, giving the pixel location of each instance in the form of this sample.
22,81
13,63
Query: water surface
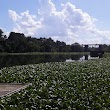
12,60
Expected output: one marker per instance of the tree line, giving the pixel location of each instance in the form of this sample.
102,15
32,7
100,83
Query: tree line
19,43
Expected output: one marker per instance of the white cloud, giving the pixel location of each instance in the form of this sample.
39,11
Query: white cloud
13,15
69,24
25,23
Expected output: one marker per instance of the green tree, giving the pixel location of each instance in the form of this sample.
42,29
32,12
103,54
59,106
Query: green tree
76,47
1,35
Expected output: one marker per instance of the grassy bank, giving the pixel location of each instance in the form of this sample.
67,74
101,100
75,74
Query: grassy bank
42,53
60,86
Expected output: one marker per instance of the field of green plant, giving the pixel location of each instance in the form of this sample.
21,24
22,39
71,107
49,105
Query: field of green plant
59,86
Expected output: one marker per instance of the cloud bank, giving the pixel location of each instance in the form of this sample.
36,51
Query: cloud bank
69,24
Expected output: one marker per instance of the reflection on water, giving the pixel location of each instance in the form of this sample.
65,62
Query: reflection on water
80,58
12,60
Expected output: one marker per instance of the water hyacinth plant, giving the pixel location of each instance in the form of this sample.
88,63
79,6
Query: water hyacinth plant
59,86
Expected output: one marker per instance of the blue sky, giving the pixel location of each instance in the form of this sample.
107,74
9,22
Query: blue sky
65,20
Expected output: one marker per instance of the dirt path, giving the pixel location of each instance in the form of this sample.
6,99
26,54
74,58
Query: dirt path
10,88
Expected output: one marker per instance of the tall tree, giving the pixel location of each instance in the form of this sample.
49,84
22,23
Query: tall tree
76,47
1,35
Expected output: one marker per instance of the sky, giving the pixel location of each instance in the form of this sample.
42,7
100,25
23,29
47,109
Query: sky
82,21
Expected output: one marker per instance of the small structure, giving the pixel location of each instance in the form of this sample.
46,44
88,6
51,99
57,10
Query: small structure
94,53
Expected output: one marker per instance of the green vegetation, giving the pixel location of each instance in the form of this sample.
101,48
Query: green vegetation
19,43
59,86
46,53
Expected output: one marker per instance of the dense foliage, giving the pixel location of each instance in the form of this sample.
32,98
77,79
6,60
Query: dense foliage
18,42
59,86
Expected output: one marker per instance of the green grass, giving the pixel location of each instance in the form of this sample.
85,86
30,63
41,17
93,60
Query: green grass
43,53
60,86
